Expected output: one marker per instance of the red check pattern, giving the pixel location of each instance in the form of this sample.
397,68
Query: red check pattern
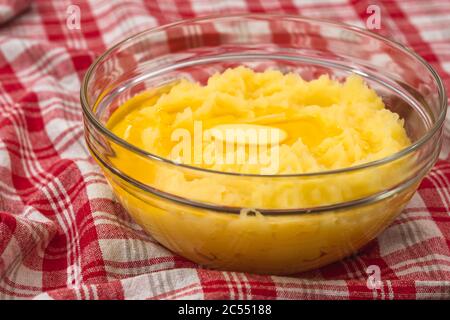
62,234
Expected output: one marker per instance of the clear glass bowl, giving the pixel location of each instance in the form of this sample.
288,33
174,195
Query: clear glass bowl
267,232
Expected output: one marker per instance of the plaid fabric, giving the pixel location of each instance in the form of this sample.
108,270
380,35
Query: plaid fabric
62,234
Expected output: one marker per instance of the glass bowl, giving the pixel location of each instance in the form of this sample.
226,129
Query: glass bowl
268,224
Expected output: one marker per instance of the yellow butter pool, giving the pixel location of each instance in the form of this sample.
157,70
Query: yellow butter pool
320,125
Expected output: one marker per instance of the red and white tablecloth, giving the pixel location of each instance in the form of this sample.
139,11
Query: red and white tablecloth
62,234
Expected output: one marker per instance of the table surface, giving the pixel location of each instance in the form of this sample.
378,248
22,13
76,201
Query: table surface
62,234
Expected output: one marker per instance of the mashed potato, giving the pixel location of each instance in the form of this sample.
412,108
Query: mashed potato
326,121
326,125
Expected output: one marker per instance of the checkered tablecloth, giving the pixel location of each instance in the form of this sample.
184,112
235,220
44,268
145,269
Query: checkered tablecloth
62,234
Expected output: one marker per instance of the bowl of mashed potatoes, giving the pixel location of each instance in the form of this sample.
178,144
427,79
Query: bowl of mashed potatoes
269,144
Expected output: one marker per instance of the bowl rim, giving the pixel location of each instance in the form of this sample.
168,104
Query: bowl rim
88,112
